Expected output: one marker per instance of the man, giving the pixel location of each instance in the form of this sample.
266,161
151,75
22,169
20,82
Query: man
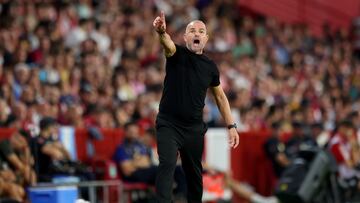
10,192
246,193
51,156
346,150
135,160
47,149
180,128
9,187
16,152
299,141
319,134
345,147
275,150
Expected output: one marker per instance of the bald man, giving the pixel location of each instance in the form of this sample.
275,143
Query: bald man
179,124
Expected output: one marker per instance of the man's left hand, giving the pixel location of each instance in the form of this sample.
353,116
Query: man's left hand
233,138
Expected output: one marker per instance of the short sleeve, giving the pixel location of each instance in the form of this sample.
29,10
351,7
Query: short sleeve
120,155
179,51
215,81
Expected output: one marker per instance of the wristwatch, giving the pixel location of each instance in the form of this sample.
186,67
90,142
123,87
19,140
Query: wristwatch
232,126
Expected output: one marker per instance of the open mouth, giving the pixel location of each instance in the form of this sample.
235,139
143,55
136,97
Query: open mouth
196,41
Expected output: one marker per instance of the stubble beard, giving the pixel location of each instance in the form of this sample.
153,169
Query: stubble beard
193,48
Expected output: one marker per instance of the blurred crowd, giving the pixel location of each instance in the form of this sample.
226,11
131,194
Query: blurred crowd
98,63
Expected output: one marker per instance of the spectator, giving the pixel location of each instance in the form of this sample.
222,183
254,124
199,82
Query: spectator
246,193
46,148
134,161
217,181
345,148
9,191
11,185
16,152
280,65
276,151
51,157
149,139
321,136
298,141
4,113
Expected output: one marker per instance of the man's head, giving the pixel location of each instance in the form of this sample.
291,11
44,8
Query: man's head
276,128
346,128
48,126
316,128
196,36
297,128
149,137
131,131
5,110
18,142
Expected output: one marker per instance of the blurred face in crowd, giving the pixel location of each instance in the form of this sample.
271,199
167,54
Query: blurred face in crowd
22,74
196,36
19,110
104,119
50,131
74,112
18,142
298,131
89,96
346,131
52,94
28,95
132,132
5,110
316,131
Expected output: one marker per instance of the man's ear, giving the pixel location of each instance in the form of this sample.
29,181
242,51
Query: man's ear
184,36
207,37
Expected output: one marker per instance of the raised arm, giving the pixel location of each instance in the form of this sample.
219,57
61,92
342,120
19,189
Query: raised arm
165,39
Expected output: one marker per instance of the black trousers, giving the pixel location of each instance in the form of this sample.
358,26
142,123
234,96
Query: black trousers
189,142
148,175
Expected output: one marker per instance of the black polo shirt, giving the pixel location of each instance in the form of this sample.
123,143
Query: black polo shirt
188,76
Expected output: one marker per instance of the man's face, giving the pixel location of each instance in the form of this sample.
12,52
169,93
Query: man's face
51,131
346,131
132,132
18,142
316,131
298,131
196,36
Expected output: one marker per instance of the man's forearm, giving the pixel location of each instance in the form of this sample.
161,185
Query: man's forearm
167,43
15,161
224,109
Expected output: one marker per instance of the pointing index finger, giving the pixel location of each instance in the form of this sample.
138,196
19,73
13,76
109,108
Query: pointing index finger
162,15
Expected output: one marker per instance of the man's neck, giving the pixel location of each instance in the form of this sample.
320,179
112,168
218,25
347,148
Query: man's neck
130,140
197,52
